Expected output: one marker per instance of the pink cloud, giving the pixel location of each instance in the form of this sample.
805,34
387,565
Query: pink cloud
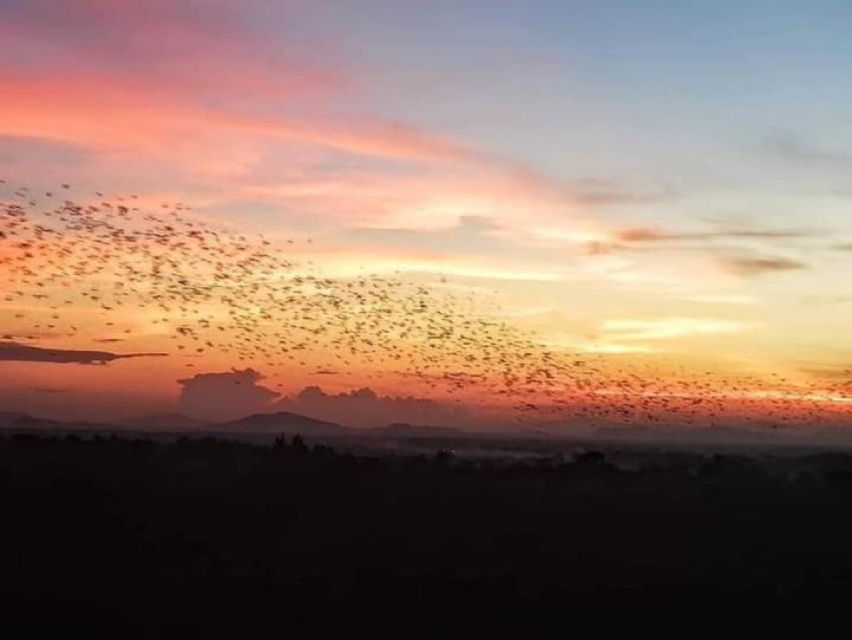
194,98
105,112
177,76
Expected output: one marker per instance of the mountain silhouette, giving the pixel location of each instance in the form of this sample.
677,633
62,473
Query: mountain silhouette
11,418
168,421
25,421
285,422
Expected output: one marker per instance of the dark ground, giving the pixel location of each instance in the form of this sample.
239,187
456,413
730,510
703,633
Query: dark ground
205,535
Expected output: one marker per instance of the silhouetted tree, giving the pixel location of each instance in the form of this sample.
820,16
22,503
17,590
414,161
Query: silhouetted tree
298,444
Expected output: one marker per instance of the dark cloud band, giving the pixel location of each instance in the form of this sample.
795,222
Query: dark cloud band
16,352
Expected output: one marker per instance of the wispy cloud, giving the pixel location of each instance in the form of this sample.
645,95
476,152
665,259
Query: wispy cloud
630,329
50,390
761,266
655,234
799,150
607,192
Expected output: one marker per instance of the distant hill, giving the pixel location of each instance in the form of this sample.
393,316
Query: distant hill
10,418
14,420
259,423
284,422
165,421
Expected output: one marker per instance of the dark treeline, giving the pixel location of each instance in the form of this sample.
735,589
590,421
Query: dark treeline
212,532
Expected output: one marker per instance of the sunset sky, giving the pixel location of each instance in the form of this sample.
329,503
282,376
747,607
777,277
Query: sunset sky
663,184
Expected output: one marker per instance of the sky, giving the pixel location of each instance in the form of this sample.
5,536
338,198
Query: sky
656,184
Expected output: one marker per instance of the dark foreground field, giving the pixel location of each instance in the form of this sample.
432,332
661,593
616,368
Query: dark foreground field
135,536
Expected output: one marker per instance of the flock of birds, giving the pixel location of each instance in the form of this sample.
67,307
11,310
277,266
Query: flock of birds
108,269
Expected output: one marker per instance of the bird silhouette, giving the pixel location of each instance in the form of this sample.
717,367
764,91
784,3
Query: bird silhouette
212,291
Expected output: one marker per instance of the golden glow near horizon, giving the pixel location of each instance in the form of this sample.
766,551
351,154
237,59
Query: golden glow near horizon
234,201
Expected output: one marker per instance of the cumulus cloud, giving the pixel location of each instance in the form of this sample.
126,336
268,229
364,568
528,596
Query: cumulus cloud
227,395
17,352
365,408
